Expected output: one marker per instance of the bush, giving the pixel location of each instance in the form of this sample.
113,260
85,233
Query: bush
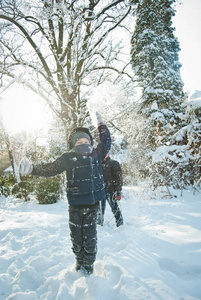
173,166
5,185
47,190
23,188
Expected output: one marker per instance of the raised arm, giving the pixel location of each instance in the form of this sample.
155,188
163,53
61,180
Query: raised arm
105,138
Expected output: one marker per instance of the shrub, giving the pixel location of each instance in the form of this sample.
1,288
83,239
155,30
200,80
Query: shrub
23,188
5,185
47,190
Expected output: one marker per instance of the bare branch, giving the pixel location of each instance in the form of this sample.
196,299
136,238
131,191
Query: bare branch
108,7
109,30
36,49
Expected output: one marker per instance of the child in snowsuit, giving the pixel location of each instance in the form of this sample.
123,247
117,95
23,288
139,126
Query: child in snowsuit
85,188
113,186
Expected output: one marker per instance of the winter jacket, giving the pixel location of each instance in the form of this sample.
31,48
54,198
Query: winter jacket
85,185
112,175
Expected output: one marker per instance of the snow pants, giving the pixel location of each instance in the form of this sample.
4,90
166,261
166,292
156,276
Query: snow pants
82,223
114,208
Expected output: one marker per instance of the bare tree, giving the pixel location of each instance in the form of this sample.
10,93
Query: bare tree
60,49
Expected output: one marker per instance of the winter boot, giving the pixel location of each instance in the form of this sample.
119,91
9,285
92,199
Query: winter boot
78,266
87,269
119,221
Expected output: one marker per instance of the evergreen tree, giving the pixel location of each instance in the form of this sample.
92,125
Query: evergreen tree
156,65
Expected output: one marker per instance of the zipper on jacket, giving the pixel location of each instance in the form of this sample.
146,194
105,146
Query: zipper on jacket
92,181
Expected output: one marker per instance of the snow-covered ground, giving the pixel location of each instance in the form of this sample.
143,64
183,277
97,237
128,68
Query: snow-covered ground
155,255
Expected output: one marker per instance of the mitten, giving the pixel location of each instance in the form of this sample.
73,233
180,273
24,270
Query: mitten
25,167
117,196
99,118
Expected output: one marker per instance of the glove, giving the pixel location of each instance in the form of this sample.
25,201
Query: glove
25,167
99,118
117,196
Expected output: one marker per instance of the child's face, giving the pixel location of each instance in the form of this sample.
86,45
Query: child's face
82,141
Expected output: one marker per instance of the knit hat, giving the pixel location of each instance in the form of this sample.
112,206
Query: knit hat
79,133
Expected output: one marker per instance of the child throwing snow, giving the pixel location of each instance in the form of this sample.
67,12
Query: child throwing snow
85,188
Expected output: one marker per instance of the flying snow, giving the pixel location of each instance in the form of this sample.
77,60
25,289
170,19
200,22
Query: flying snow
107,99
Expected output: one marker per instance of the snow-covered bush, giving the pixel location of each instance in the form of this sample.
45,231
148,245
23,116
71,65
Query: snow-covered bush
172,166
193,109
6,184
179,163
23,188
47,190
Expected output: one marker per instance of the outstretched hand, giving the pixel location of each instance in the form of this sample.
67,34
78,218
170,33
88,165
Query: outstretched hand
25,167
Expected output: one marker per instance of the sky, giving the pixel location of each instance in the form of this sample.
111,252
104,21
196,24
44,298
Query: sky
188,30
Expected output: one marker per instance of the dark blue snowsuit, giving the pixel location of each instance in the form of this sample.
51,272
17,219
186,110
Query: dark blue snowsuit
85,188
112,175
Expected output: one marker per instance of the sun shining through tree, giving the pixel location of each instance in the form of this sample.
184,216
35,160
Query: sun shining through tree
22,111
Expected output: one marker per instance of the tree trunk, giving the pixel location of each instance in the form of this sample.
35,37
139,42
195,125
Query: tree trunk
12,158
